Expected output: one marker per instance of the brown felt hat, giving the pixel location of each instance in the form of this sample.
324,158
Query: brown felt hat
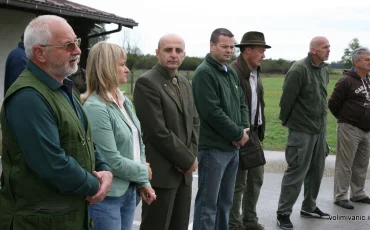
253,38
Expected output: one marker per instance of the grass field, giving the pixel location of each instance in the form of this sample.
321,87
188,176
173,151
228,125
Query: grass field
276,135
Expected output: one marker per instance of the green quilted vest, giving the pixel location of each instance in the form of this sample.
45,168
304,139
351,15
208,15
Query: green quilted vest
27,201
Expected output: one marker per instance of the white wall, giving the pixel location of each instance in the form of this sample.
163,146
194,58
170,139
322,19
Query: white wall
12,25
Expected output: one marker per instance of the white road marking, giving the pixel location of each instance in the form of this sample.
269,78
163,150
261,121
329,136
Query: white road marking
137,223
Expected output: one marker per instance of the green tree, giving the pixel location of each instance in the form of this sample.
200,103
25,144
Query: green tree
132,49
347,55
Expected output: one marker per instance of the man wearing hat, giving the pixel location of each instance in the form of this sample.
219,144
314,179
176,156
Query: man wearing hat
248,182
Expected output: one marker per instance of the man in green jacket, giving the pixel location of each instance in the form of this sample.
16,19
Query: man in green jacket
303,109
170,123
51,171
224,117
249,182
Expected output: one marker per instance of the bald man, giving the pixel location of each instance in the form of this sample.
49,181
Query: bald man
303,111
165,107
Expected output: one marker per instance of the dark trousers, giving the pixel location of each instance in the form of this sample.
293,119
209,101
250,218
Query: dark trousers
247,190
305,154
171,209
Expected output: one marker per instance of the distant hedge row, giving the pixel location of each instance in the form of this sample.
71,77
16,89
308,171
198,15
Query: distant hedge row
271,66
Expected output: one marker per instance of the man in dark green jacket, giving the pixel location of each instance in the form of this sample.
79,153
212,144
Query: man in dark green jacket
224,122
51,171
249,182
303,107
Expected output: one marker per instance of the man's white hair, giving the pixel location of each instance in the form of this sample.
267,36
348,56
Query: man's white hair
358,52
38,32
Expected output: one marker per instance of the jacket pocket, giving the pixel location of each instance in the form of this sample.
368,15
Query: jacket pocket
196,121
76,149
291,155
363,122
68,221
48,209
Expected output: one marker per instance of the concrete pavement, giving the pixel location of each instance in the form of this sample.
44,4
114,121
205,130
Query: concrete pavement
269,197
270,193
276,163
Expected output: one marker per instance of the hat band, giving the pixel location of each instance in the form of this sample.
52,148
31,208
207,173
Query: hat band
255,41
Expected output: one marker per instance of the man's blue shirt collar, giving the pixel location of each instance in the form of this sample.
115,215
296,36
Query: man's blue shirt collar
21,45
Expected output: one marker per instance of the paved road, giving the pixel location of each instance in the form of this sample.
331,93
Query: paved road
270,192
268,201
269,197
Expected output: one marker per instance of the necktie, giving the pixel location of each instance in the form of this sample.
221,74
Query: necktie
177,88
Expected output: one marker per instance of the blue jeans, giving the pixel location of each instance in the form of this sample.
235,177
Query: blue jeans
115,213
217,172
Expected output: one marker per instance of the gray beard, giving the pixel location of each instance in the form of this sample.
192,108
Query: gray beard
63,72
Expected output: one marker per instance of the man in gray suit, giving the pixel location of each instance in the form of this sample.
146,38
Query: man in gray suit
165,107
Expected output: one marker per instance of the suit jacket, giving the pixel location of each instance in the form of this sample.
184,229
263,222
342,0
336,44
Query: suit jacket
170,126
243,71
113,138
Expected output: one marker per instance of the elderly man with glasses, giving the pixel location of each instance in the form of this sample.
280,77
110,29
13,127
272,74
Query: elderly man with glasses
51,170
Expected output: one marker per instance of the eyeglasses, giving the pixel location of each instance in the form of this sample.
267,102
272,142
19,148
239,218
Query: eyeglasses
69,46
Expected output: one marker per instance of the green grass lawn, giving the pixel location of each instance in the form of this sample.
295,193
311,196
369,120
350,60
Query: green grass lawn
276,135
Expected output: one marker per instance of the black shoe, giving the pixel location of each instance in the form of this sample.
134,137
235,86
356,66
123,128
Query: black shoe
344,204
365,200
284,221
315,214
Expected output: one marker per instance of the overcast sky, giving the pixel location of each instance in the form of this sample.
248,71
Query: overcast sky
288,25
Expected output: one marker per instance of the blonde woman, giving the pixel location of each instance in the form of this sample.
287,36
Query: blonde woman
116,132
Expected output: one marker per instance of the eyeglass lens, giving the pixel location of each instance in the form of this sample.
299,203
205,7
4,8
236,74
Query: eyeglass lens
72,45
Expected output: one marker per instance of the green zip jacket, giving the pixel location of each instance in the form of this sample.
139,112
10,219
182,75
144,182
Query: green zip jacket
220,102
303,104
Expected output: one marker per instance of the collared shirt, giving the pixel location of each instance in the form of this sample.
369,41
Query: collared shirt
253,83
31,119
135,131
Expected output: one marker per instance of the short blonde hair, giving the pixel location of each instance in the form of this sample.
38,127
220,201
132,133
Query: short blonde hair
101,70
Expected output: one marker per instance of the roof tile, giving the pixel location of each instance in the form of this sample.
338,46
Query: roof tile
65,5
